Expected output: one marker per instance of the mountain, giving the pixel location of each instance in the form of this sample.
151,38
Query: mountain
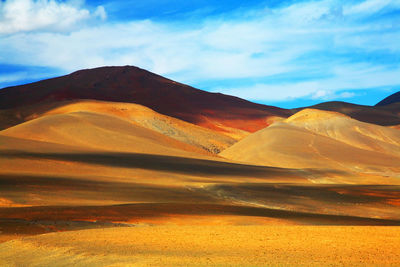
394,98
321,139
231,115
387,115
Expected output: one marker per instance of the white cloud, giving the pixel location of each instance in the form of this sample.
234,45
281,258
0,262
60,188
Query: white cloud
295,39
12,77
352,77
50,15
101,12
370,6
9,78
347,94
273,92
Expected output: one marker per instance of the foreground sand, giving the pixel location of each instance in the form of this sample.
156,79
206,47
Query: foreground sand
209,245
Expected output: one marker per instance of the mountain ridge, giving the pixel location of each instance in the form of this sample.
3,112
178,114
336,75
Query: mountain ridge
393,98
134,85
229,115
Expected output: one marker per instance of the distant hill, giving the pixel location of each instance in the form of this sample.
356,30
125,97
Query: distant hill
229,115
321,139
134,114
99,131
381,115
216,111
394,98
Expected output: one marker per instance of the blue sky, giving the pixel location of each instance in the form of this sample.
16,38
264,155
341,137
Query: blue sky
285,53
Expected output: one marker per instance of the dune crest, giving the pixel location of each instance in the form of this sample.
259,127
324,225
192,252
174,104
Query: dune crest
185,132
99,131
321,139
347,130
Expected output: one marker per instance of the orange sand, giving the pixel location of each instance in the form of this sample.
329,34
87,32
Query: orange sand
209,245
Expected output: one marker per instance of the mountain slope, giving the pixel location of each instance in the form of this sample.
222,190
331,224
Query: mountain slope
349,131
185,132
99,131
316,139
134,85
380,115
394,98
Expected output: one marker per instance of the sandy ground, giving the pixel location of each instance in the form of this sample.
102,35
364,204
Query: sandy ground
209,245
94,189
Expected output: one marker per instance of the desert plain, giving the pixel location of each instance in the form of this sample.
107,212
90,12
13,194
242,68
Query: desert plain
161,173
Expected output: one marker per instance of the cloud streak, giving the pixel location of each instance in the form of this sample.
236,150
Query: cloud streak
346,78
333,46
46,15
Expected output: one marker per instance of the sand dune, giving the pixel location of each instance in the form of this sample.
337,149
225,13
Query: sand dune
34,172
349,131
180,130
49,187
185,132
73,177
319,139
52,187
99,131
207,139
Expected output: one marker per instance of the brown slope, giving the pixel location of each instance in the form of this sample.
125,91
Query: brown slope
380,115
135,85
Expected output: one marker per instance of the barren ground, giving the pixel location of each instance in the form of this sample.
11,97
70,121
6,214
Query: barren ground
209,245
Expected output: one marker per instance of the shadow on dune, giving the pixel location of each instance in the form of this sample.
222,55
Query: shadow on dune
18,186
156,162
296,194
133,212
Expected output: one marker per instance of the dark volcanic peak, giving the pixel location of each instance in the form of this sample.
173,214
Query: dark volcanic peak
105,83
394,98
135,85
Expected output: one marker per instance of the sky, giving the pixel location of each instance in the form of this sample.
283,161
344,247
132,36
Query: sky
285,53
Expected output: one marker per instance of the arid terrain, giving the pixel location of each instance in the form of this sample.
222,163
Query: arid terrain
209,245
117,166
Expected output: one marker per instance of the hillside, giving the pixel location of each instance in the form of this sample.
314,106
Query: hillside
185,132
320,139
98,131
349,131
380,115
128,84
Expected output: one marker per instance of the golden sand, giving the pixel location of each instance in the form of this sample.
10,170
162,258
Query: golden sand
209,245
